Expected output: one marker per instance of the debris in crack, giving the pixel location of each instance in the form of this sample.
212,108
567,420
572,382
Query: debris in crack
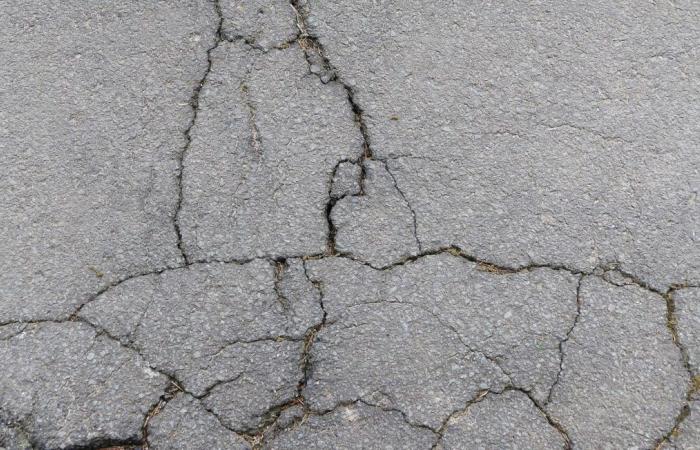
221,329
468,132
685,435
322,67
380,212
623,380
154,410
310,336
196,207
486,324
682,321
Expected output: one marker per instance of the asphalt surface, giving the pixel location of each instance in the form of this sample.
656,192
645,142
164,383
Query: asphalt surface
349,224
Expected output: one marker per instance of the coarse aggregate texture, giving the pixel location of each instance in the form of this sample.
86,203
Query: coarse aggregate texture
263,24
623,381
354,426
268,135
381,212
346,180
184,424
61,382
687,312
223,330
507,421
306,224
95,102
545,132
687,436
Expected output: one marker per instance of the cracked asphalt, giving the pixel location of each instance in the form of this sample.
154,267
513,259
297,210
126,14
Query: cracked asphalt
370,224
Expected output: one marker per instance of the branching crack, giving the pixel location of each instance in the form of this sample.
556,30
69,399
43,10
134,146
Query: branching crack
568,443
483,394
321,66
310,336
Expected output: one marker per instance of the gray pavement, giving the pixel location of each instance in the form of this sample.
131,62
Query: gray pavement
273,224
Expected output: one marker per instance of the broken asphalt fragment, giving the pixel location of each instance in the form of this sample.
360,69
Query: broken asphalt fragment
256,176
64,385
623,381
426,336
223,330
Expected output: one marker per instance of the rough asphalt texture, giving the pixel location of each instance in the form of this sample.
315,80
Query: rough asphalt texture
349,224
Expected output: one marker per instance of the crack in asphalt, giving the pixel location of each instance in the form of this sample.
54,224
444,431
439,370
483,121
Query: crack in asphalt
194,104
694,380
562,342
315,55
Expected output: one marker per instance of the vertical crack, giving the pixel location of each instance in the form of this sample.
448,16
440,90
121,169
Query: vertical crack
322,67
255,140
280,267
568,443
566,338
408,204
269,418
694,388
194,104
310,337
170,392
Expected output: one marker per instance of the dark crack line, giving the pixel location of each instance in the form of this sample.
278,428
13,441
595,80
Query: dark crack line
448,326
313,49
194,104
168,394
565,340
483,265
694,380
568,444
280,267
458,412
269,418
310,337
408,204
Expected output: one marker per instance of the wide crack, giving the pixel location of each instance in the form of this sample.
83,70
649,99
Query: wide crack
313,51
316,57
694,380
